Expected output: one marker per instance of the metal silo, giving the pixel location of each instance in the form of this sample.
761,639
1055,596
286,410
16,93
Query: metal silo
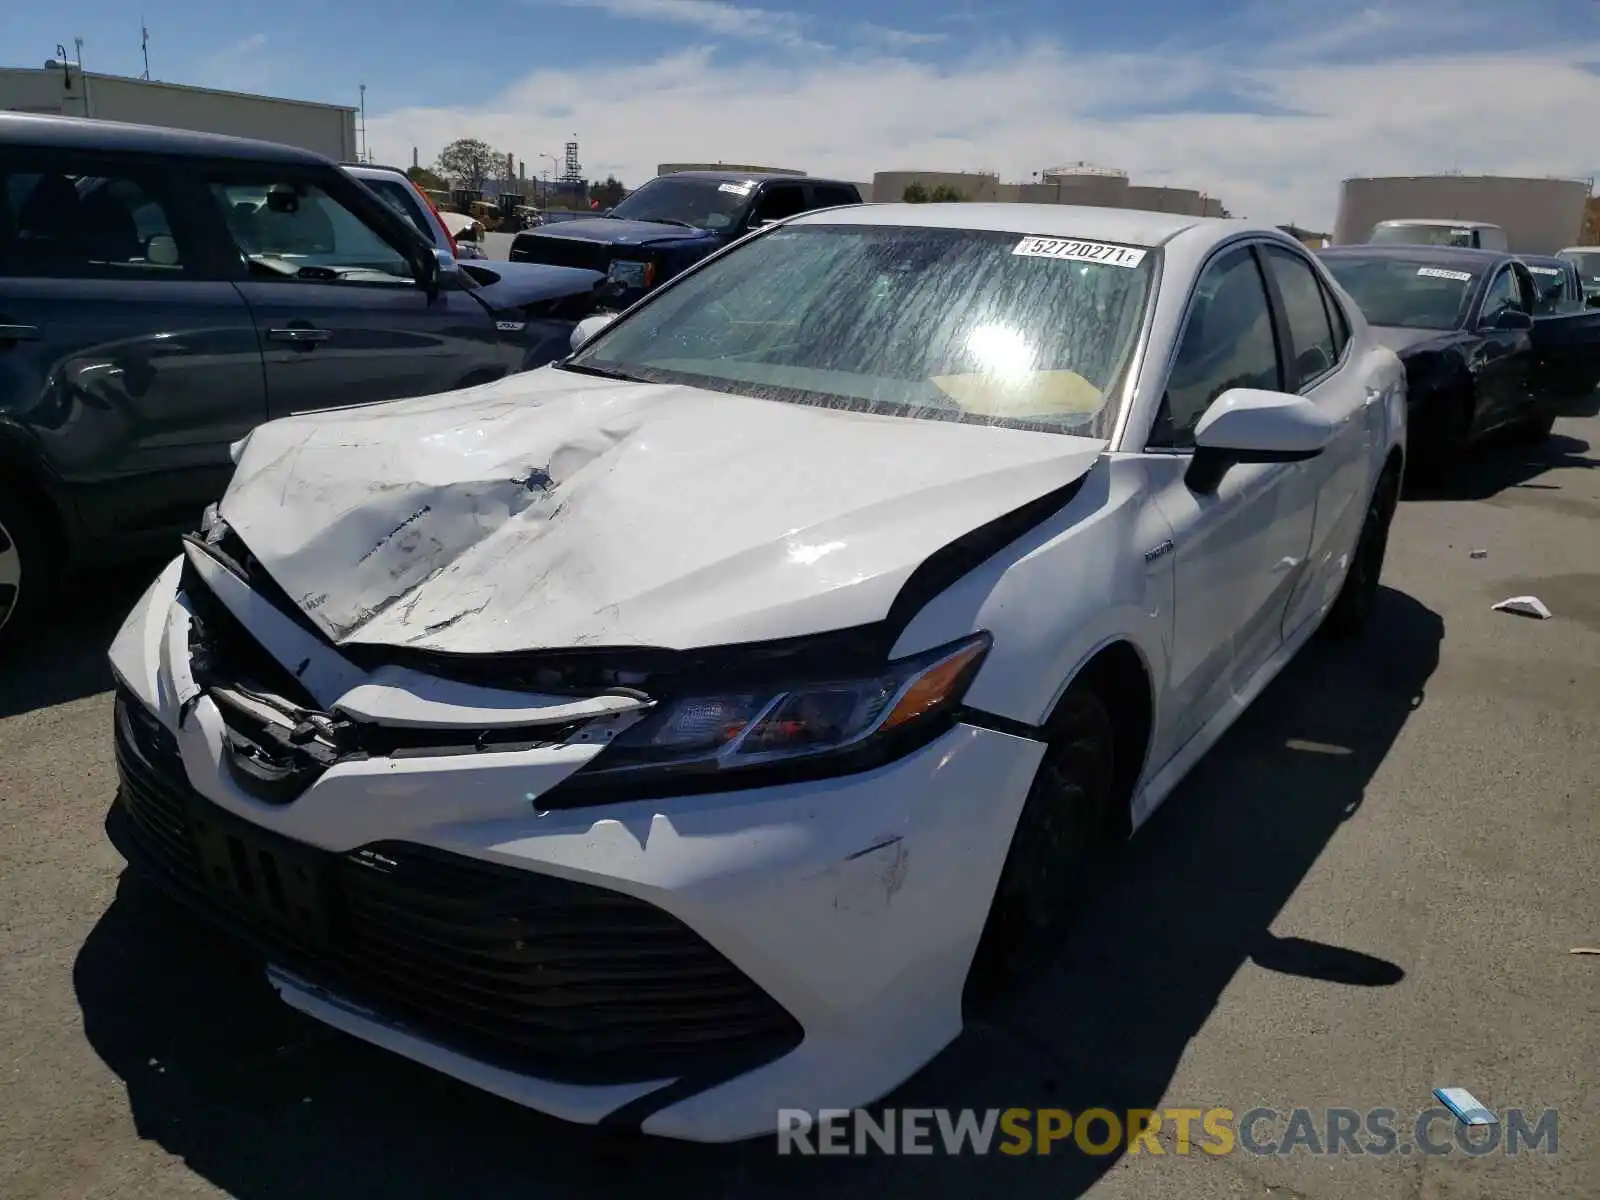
1540,216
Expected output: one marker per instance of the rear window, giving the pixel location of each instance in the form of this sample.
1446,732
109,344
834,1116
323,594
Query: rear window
1423,235
400,198
1406,294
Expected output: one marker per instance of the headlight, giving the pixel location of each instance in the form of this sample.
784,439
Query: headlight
835,725
631,274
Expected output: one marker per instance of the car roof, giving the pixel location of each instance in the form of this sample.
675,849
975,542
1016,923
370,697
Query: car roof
1450,221
1549,260
1461,257
80,133
355,168
1580,250
1130,226
751,177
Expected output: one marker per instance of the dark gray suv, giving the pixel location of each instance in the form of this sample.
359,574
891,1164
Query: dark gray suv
163,292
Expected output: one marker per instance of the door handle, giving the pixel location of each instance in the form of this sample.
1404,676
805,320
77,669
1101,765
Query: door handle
19,333
300,335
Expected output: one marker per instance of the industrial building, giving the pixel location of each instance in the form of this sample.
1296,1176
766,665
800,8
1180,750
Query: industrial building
1079,183
1540,216
63,90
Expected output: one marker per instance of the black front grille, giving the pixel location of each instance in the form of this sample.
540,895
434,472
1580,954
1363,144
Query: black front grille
559,979
560,251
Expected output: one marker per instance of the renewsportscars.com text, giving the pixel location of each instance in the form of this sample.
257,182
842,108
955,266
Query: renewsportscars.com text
1378,1132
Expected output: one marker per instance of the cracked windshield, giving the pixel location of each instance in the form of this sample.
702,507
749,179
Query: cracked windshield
945,324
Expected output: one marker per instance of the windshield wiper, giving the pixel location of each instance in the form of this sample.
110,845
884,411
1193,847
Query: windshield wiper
664,221
599,372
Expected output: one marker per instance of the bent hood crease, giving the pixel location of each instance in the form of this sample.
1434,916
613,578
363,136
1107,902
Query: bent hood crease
551,510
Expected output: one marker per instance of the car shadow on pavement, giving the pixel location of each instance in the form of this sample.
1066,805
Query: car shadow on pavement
67,661
1497,465
263,1102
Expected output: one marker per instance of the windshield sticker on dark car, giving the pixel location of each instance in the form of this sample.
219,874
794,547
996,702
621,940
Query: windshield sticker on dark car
738,189
1441,273
1072,250
1545,270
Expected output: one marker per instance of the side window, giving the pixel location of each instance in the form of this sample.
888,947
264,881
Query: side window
1336,318
79,221
1228,342
1502,294
1551,290
288,228
828,195
780,201
1310,331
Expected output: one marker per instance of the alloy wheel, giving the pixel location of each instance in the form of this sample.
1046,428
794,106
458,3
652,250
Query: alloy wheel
10,575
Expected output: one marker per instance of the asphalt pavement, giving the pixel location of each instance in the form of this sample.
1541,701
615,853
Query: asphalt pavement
1370,889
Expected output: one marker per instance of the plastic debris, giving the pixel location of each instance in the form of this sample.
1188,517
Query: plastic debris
1480,554
1524,606
1584,950
1466,1107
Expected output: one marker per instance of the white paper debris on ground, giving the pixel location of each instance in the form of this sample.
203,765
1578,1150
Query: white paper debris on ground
1480,554
1584,950
1524,606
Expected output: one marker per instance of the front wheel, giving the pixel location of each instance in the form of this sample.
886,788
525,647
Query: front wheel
26,574
1060,841
1535,429
1359,595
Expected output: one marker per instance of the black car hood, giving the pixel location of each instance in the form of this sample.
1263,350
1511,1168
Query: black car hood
507,285
615,231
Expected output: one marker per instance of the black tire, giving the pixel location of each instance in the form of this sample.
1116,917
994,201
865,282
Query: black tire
1437,450
1535,429
1062,839
1352,609
27,572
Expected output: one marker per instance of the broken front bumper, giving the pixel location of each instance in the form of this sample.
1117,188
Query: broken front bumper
690,966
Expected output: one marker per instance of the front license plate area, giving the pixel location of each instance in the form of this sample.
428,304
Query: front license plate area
272,884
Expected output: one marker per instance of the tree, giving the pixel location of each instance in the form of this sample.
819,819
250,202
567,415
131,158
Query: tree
609,193
468,162
425,179
918,192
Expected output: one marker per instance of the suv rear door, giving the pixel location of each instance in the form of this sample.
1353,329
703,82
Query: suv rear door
340,319
127,362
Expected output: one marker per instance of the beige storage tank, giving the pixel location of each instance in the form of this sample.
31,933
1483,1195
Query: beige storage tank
889,187
1540,216
1185,201
1099,187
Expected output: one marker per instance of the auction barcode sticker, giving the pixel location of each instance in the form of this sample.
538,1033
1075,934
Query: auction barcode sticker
1440,273
1545,270
1076,251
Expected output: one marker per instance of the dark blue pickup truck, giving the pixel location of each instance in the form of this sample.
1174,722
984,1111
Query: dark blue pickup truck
673,222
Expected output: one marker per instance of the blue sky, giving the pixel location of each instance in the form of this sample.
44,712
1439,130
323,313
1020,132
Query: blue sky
1264,104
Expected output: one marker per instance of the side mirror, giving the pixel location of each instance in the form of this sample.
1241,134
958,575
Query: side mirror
588,327
1249,425
1592,300
1510,320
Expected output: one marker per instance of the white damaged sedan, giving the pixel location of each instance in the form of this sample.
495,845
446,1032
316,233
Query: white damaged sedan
668,736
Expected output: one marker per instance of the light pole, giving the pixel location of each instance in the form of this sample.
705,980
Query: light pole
364,156
553,163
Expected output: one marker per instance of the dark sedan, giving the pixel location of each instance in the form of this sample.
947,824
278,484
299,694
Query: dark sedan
1483,355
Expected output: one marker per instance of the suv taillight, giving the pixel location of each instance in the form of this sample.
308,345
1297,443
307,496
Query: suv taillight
434,208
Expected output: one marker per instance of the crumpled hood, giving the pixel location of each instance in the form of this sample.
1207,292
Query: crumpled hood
514,284
619,232
551,510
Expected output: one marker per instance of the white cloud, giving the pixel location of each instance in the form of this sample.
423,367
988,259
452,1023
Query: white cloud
241,66
898,39
709,16
1016,111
